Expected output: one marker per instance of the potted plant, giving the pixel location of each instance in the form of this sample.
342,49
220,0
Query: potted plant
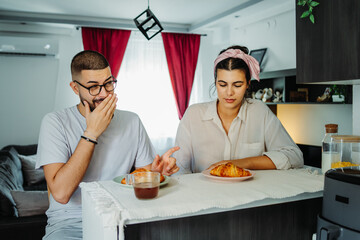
338,93
309,5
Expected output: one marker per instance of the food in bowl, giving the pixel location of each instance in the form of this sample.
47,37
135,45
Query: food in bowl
162,178
229,170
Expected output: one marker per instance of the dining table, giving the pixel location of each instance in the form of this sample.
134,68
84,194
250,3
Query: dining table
270,204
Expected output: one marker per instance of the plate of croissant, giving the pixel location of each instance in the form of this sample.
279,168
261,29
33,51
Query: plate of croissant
228,172
121,179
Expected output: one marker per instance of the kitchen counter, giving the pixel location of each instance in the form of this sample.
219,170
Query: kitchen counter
274,204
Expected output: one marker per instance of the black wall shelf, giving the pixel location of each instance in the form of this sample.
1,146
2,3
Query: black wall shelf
285,82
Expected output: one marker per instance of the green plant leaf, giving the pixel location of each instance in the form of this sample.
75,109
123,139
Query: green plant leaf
312,19
310,4
314,4
305,14
301,2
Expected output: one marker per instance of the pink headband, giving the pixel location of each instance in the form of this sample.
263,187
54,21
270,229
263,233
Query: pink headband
249,60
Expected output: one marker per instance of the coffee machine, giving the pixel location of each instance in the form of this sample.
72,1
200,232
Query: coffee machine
340,216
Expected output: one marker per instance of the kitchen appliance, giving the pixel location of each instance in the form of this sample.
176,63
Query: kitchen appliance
340,217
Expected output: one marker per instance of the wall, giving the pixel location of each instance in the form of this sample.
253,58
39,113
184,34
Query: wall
27,94
34,86
69,46
277,34
305,123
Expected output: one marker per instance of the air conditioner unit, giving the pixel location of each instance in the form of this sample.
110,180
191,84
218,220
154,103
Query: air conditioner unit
28,46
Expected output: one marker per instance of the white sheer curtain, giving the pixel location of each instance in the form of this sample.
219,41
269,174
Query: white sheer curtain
144,87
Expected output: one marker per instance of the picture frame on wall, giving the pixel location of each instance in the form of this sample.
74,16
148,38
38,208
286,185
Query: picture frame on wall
258,54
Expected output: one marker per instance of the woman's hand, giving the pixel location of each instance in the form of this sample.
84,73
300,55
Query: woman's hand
166,165
253,163
218,163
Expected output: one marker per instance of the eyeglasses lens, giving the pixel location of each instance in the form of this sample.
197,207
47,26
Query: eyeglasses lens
109,86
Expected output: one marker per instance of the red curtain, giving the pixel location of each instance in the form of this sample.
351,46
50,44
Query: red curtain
182,52
109,42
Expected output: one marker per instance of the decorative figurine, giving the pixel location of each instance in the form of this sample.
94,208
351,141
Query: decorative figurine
268,93
325,97
259,94
277,97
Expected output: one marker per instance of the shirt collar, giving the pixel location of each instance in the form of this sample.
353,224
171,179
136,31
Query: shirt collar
211,112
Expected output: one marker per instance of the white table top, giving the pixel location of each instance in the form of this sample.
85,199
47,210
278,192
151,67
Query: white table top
194,194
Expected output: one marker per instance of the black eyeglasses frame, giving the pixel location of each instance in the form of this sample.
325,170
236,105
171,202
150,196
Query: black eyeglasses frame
103,85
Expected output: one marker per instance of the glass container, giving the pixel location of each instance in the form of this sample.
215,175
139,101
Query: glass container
329,150
348,154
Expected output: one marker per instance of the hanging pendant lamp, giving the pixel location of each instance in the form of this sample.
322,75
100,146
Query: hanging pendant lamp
148,24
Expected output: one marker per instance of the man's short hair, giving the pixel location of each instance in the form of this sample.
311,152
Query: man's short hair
88,60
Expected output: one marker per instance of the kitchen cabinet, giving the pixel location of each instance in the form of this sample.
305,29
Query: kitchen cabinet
289,220
329,49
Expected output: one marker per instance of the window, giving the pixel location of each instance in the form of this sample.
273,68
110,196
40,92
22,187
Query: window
144,87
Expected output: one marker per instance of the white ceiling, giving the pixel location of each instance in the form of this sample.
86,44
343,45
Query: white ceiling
188,15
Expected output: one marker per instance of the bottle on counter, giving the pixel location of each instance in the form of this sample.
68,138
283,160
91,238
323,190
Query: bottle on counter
329,148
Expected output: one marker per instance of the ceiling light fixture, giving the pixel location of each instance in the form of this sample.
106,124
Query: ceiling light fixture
148,24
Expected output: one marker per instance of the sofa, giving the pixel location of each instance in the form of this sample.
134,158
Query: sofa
23,194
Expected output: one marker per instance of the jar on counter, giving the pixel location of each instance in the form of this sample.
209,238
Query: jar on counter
348,147
329,149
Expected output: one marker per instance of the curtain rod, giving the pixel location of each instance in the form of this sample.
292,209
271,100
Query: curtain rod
201,34
135,29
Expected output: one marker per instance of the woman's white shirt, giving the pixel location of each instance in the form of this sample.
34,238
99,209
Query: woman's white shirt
255,131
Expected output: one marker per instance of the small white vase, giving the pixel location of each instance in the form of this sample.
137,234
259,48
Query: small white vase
338,98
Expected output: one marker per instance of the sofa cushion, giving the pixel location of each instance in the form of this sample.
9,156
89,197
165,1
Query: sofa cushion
23,149
11,178
12,154
38,187
31,175
30,203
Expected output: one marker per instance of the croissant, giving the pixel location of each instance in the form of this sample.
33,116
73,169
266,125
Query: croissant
162,178
229,170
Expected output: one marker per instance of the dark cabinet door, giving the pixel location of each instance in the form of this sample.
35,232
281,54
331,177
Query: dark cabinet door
328,50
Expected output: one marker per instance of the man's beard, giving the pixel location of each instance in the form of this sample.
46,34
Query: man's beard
92,104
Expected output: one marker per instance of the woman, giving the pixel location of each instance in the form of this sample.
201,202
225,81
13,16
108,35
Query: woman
234,128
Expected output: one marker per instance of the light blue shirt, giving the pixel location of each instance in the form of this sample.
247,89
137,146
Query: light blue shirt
122,145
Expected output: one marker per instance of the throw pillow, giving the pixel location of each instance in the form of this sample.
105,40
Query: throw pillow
30,203
32,176
13,155
11,178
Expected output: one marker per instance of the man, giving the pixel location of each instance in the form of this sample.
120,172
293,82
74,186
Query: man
91,141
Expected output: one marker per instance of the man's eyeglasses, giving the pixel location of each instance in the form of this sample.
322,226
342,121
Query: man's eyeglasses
96,89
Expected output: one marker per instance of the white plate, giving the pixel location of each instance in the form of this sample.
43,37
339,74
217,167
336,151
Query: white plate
120,178
207,174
